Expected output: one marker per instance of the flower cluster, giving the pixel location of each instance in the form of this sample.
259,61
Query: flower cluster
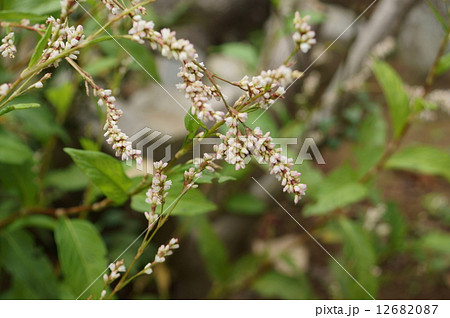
237,147
303,37
8,48
116,137
111,6
194,173
157,193
165,40
268,86
234,148
166,250
116,269
65,39
199,93
160,257
191,73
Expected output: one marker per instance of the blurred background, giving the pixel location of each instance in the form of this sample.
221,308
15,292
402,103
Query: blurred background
388,225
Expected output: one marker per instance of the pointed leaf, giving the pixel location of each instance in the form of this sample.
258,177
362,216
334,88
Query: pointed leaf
422,159
443,65
395,94
24,261
105,172
81,252
41,45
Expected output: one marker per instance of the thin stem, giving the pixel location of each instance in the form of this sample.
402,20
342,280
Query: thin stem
123,280
286,62
432,74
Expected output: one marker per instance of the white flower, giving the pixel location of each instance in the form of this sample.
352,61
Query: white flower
166,250
116,137
268,86
4,88
7,49
237,147
148,269
116,269
157,193
303,37
64,38
199,93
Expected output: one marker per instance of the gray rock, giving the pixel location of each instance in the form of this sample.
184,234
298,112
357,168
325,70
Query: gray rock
161,109
420,38
337,21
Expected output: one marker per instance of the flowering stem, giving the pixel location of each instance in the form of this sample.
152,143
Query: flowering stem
123,280
117,18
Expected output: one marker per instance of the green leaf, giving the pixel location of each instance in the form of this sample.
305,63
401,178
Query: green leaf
81,253
41,7
241,51
34,221
209,177
10,108
433,250
276,285
89,144
422,159
244,269
214,254
61,97
40,123
223,179
104,171
443,65
395,94
69,179
245,203
13,151
40,46
438,242
104,64
438,16
15,16
338,197
360,259
21,181
371,141
420,104
24,261
191,124
397,223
